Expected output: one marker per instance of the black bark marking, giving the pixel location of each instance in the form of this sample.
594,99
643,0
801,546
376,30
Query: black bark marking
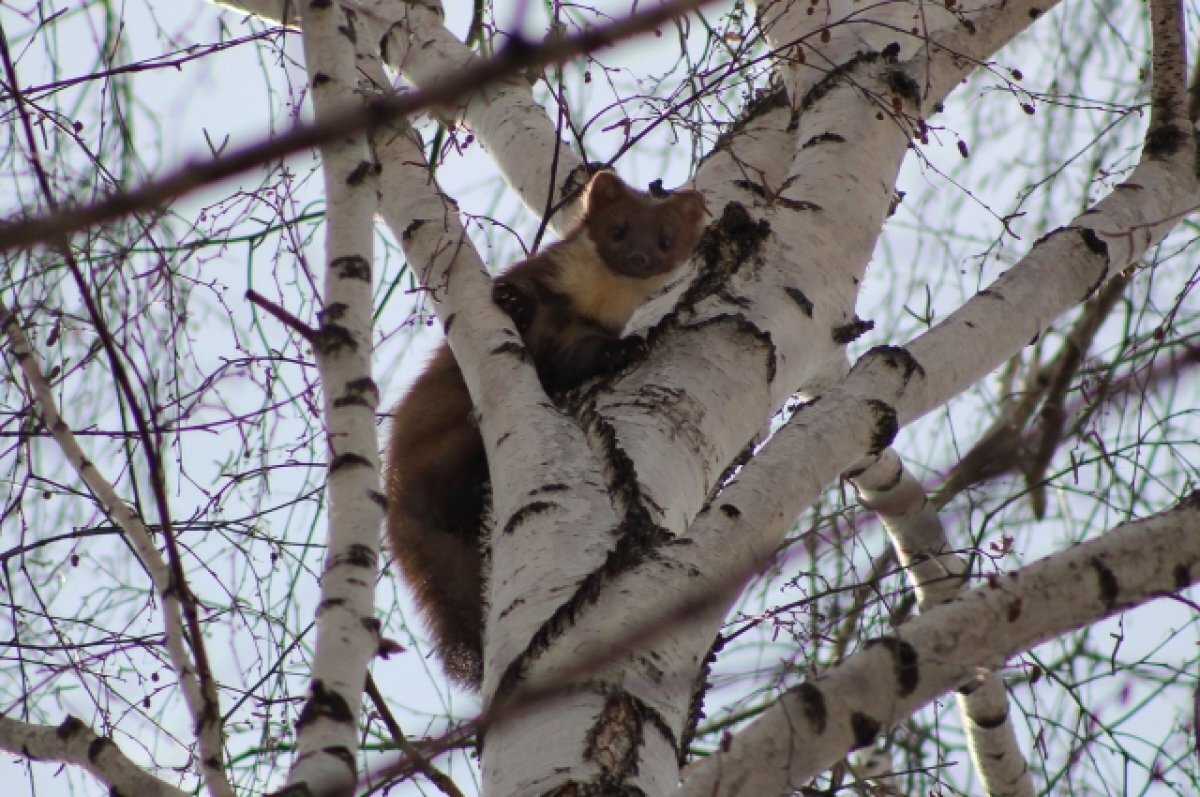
838,74
812,701
97,748
359,392
351,267
730,511
753,188
824,138
1109,589
1013,612
864,728
905,667
342,754
1182,576
332,338
993,721
700,689
524,513
723,249
1164,140
1093,242
411,229
324,703
69,727
347,29
797,296
846,333
802,205
348,460
615,740
895,357
903,85
359,556
886,426
361,172
514,349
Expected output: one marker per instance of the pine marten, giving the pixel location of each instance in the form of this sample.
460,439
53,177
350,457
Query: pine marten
570,303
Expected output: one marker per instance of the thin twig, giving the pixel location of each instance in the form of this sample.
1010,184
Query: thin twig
283,316
414,755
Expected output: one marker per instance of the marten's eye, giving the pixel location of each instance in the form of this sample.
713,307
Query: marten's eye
665,242
619,231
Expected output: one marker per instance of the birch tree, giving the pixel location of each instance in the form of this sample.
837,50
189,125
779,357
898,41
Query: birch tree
924,527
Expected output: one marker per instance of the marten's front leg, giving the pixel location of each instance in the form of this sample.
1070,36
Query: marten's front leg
593,355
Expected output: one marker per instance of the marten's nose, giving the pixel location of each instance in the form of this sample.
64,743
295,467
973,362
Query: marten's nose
638,260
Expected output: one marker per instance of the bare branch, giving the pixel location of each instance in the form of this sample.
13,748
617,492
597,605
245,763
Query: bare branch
199,689
938,576
814,724
76,744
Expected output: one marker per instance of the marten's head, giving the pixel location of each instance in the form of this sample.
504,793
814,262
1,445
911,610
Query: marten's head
636,234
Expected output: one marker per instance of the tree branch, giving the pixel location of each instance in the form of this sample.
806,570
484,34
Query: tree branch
75,743
199,689
347,632
815,723
938,576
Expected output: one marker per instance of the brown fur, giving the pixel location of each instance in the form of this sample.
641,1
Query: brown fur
570,303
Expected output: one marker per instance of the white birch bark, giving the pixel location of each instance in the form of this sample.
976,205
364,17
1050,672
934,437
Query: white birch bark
757,511
723,363
347,633
72,742
540,448
815,723
511,408
938,575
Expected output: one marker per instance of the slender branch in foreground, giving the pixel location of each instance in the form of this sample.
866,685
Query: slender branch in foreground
515,56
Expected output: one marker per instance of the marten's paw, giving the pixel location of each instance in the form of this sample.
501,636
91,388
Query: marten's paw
517,303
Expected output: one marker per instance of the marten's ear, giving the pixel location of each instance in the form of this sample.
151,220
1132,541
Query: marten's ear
690,205
605,189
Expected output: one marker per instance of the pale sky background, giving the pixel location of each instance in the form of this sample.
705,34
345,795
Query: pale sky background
224,96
